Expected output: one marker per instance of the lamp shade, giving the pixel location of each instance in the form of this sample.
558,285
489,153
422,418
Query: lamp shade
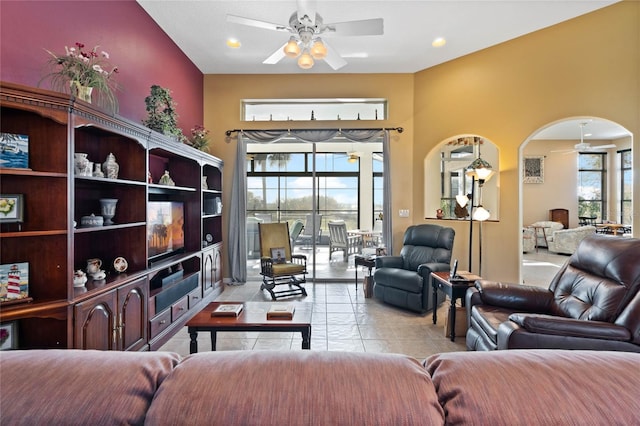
462,200
481,214
291,49
305,61
318,50
480,169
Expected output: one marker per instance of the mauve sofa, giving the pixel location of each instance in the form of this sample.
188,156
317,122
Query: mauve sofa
536,387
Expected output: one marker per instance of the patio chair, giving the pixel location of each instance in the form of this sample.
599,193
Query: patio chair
296,229
278,266
340,240
313,222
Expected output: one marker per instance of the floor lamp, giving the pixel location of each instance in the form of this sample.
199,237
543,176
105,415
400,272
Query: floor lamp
480,171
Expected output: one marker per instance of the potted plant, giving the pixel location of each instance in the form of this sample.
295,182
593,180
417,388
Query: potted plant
199,138
78,71
162,115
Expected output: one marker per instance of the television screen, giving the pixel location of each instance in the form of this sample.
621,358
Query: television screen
165,227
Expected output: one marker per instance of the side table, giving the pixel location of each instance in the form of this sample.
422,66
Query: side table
366,261
455,289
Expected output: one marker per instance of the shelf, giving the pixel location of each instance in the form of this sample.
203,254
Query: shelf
82,230
155,188
110,181
29,172
212,191
23,234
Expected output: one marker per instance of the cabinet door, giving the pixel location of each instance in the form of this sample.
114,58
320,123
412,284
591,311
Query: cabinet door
95,323
208,271
217,266
132,316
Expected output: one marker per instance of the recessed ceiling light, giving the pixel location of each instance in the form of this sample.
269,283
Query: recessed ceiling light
233,43
586,135
439,42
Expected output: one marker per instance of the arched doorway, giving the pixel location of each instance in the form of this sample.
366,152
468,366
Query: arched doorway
582,165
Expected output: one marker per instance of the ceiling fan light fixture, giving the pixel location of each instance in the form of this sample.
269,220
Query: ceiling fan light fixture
291,49
352,158
318,49
305,61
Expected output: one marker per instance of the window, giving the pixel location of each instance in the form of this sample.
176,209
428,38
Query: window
314,109
280,186
626,186
592,194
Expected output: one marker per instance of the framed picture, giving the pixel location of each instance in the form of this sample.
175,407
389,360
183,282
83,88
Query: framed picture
11,208
277,255
14,281
14,151
8,336
533,170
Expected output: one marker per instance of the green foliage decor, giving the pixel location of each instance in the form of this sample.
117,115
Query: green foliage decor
162,115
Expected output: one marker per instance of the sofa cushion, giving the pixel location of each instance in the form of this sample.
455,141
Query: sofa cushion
75,387
296,388
538,387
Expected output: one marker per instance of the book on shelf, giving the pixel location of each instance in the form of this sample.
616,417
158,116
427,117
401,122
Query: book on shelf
279,311
227,310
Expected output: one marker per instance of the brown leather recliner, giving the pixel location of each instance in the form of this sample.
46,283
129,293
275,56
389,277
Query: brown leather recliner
592,303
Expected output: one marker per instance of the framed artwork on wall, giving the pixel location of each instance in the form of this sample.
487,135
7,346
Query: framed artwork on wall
533,170
14,151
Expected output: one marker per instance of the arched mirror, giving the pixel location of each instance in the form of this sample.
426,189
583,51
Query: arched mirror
577,172
448,178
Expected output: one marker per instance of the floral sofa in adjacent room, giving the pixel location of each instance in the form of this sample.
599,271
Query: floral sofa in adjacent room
565,241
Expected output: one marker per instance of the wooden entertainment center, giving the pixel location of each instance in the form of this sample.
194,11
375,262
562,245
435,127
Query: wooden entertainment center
144,306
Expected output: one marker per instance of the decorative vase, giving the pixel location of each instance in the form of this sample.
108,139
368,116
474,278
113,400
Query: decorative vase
108,209
204,183
80,163
98,171
110,167
82,92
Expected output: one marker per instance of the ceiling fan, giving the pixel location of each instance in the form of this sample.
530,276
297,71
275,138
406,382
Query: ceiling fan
585,146
306,28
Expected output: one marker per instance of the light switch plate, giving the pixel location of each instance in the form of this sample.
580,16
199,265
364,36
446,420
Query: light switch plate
403,213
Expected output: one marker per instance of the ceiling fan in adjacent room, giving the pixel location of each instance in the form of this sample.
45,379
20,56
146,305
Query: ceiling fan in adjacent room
307,31
585,146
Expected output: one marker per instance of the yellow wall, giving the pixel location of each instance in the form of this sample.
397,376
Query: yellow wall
589,66
223,93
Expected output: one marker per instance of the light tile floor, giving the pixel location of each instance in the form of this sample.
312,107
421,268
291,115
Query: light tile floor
344,320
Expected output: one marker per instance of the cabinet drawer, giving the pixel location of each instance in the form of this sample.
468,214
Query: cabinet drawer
159,323
179,308
194,298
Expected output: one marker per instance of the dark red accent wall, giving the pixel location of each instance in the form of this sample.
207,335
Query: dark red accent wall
144,54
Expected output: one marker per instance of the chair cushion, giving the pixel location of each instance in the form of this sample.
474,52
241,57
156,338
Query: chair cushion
287,269
399,278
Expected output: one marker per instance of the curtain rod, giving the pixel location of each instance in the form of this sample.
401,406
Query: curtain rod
229,132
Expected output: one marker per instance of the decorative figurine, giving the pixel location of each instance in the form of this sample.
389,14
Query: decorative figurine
166,179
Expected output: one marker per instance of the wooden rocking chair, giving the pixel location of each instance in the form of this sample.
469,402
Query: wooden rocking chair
277,264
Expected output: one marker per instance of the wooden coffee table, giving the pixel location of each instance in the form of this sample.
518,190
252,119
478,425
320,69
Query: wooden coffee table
252,318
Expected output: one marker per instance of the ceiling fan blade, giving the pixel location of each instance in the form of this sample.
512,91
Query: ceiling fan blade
354,28
307,12
604,146
258,24
275,56
333,58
